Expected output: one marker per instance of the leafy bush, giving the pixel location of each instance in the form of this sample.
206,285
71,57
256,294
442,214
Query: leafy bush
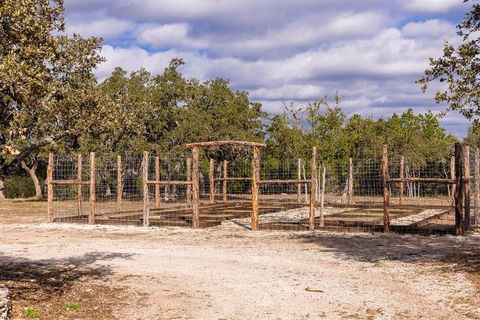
20,187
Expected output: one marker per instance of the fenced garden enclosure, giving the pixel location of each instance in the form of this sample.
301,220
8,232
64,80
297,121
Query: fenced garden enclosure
389,193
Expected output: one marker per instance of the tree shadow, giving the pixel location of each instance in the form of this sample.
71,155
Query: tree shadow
29,279
460,253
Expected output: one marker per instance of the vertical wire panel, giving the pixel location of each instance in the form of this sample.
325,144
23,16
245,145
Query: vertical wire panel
65,204
280,208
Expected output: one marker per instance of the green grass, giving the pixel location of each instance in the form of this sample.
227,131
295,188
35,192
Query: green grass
71,306
32,313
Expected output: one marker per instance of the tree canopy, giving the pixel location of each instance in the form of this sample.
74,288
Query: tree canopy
459,69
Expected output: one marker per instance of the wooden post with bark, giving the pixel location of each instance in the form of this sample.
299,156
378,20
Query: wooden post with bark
225,182
313,190
211,176
453,177
189,179
157,181
79,186
50,187
459,189
386,191
196,187
477,186
322,198
119,183
467,187
350,181
299,177
255,190
92,198
402,175
146,198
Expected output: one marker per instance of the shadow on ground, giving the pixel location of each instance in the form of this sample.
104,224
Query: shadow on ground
460,253
34,280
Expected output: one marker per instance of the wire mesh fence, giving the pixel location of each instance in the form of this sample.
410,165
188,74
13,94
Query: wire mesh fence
293,194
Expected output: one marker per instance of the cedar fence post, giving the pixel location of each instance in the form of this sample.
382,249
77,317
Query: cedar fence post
477,186
386,191
402,174
225,177
189,179
211,175
92,199
452,176
79,186
146,198
350,181
157,180
322,197
299,177
467,188
255,179
119,184
313,190
50,187
459,189
196,187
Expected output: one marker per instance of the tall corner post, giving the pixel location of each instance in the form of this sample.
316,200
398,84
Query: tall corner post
146,197
92,198
196,187
386,190
50,216
255,189
313,191
350,181
476,198
466,164
459,189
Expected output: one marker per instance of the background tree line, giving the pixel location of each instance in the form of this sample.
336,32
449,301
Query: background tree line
50,101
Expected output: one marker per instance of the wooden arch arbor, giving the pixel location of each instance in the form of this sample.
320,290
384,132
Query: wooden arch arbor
196,174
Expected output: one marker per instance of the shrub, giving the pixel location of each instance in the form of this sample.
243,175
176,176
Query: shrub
20,187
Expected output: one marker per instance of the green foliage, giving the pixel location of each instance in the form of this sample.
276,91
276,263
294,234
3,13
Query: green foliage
459,69
19,187
71,306
31,313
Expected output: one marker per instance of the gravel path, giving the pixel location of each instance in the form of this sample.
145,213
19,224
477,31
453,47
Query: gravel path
230,273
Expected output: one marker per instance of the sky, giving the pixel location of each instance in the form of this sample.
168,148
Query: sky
370,51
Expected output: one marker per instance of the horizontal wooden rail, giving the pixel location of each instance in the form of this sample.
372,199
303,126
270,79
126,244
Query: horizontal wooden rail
69,182
233,179
424,180
163,182
288,181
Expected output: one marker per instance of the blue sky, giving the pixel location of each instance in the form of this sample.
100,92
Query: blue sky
370,51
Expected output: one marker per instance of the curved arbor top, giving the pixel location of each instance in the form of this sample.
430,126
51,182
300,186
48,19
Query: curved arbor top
225,143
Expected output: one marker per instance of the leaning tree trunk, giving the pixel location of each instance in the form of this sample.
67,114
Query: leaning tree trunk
33,175
2,187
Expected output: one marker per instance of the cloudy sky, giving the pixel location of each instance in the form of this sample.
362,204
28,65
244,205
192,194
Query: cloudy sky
371,51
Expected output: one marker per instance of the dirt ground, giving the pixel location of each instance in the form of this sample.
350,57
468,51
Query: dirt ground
61,271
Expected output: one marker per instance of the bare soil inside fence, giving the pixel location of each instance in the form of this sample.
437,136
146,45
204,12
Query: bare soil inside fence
65,271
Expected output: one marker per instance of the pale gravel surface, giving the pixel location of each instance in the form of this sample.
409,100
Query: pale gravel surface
231,273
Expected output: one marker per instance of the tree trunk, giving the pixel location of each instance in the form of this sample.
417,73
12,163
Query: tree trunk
2,187
33,175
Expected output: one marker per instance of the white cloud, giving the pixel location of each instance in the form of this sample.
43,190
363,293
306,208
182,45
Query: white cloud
106,28
433,28
296,50
432,5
